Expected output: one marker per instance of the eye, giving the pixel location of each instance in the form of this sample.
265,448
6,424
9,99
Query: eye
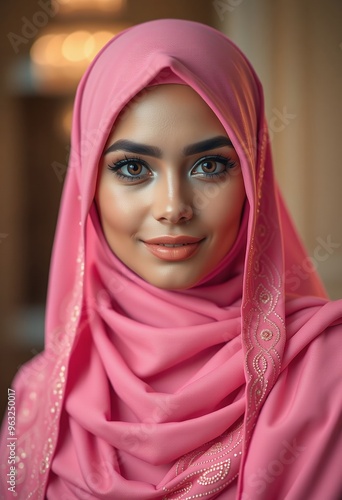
213,166
130,169
133,168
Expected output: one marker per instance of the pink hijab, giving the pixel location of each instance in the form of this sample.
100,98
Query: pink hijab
211,392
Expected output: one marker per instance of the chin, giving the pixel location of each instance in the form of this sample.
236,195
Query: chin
172,283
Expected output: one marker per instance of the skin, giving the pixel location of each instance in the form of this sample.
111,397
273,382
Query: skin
172,195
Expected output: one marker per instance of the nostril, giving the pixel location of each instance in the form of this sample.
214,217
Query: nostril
176,215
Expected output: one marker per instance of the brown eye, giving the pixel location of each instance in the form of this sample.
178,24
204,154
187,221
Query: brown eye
213,166
131,169
134,168
209,167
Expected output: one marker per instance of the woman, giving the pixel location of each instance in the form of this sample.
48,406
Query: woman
178,363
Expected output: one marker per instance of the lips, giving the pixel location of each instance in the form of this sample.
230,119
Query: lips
173,248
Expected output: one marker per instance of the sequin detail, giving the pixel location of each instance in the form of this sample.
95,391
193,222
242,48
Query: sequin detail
266,335
210,469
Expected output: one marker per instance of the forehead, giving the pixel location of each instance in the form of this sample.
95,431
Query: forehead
164,108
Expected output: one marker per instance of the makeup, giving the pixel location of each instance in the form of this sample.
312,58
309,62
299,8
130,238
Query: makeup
173,248
170,192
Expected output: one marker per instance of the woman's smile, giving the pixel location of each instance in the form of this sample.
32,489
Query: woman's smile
170,190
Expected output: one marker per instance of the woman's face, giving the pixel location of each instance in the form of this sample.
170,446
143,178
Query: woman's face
170,190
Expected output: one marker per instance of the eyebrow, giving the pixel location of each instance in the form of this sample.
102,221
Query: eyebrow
134,147
200,147
144,149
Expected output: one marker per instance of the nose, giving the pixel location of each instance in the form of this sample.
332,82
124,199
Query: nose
172,200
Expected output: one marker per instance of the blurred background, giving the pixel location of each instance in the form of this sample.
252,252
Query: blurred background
296,48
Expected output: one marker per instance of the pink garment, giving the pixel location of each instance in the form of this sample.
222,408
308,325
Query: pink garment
228,390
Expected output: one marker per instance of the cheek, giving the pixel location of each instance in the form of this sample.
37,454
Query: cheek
116,210
224,206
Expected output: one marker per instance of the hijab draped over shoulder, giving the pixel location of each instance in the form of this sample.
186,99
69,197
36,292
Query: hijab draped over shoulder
229,389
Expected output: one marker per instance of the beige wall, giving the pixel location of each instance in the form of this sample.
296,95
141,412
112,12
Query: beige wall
296,48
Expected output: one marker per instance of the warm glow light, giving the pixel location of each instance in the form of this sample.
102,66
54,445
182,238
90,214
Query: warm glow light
89,47
59,59
38,49
62,49
91,5
47,50
53,50
73,48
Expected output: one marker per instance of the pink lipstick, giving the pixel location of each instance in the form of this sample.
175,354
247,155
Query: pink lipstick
173,248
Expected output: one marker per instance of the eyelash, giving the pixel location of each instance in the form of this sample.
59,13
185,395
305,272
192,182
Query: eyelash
116,166
227,162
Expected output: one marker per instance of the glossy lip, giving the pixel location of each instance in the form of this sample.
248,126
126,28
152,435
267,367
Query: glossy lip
185,247
173,240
